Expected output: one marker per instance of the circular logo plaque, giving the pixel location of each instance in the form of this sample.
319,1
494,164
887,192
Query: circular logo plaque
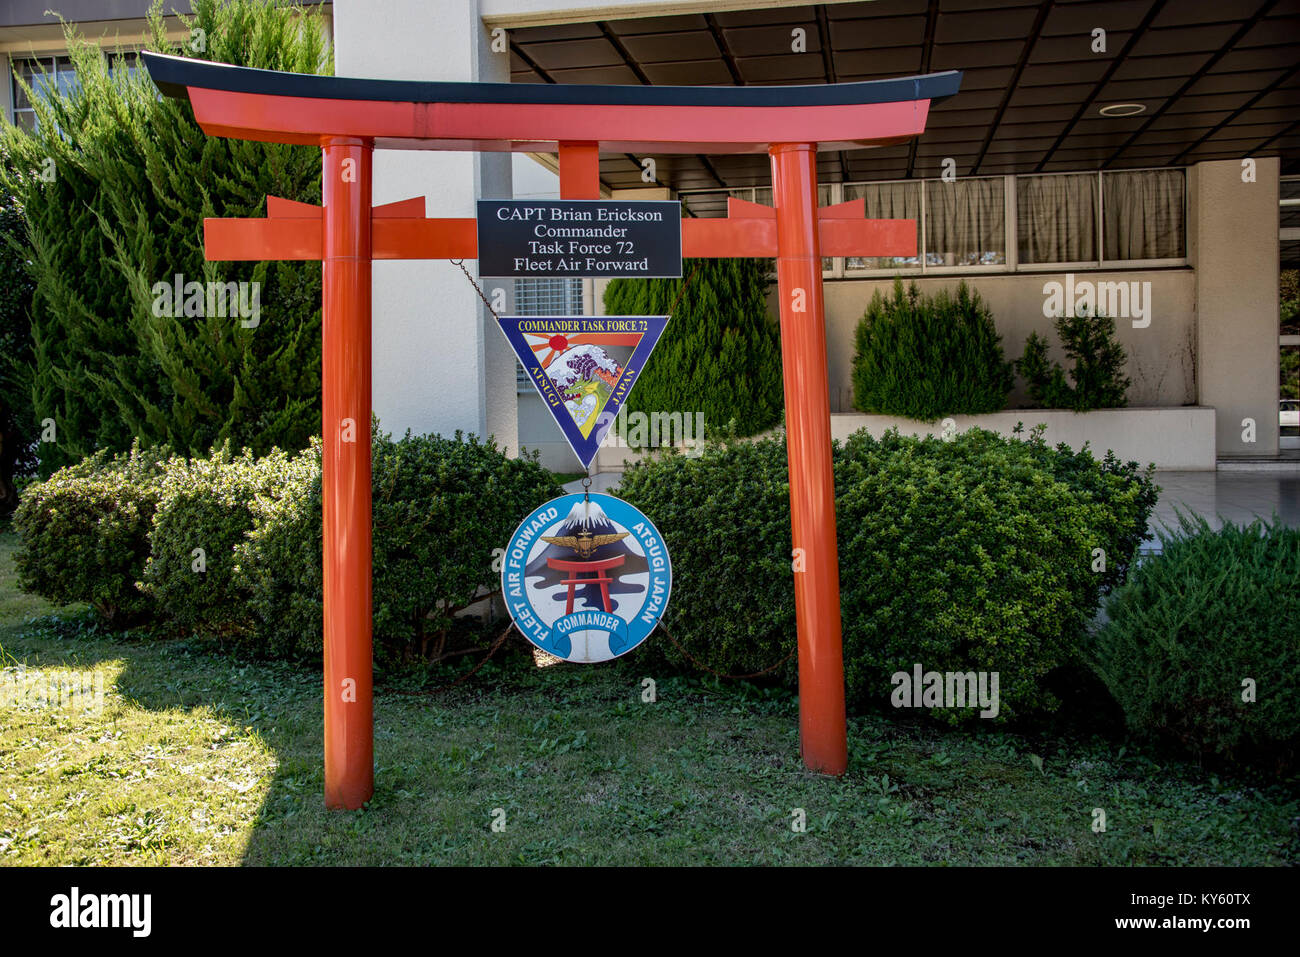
586,578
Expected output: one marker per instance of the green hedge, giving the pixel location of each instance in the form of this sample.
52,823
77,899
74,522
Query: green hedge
85,533
925,357
207,504
441,506
969,554
1213,608
121,533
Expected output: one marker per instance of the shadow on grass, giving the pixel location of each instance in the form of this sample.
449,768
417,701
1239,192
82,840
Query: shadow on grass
572,765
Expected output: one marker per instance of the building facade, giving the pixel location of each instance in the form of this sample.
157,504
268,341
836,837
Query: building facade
1139,157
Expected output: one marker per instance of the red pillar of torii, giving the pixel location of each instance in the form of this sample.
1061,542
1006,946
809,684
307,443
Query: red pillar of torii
350,118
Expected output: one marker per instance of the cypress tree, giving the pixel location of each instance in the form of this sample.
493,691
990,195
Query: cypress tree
116,182
18,430
721,352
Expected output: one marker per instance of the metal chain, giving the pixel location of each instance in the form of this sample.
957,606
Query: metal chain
699,664
681,290
477,288
492,650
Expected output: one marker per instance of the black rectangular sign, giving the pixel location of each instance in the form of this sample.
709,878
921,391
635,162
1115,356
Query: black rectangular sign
579,239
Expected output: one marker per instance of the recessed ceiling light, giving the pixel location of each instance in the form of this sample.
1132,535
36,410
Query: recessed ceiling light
1122,109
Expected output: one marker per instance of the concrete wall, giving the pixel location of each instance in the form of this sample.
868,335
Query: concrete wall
439,362
1233,243
1161,356
1181,439
1168,438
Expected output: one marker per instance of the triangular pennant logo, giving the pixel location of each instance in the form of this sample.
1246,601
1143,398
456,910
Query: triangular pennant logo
583,367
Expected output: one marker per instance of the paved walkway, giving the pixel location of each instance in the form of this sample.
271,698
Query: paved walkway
1235,496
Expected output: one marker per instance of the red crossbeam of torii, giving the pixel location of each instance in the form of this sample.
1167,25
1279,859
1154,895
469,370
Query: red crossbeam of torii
292,230
349,118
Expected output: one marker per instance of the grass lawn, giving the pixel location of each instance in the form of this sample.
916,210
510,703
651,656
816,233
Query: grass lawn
197,758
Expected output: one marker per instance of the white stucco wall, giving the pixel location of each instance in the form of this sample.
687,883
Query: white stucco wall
439,363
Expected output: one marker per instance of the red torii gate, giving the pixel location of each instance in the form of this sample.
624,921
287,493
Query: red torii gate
349,118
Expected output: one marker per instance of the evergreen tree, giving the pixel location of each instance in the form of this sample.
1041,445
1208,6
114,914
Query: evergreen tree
18,429
721,352
1097,372
116,182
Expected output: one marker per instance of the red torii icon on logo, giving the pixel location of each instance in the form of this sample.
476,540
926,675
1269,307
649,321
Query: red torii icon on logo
349,118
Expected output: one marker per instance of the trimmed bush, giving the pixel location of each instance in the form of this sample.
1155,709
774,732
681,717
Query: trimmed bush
207,504
725,517
924,357
969,554
977,554
106,528
85,533
280,561
441,506
1214,608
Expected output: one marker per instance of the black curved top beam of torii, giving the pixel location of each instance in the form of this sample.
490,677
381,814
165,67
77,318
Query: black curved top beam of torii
301,108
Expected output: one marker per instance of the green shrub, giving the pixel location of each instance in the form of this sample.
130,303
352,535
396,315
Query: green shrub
977,554
1214,608
441,506
925,357
207,504
1097,373
969,554
721,353
84,533
121,533
280,561
725,517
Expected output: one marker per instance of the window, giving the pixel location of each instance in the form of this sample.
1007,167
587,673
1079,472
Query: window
1142,214
1056,218
39,73
44,73
897,200
1011,223
965,223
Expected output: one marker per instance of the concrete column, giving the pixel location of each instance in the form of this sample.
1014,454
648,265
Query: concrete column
1233,244
440,364
6,88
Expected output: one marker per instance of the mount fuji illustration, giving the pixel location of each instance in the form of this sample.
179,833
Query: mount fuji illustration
586,534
